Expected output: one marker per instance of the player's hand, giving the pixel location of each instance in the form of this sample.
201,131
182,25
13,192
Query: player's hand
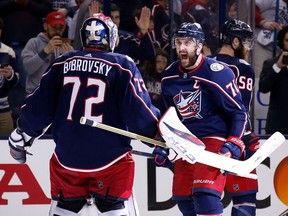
161,157
19,142
252,144
233,148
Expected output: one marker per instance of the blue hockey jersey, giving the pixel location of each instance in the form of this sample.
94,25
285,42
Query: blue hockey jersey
102,86
207,99
245,77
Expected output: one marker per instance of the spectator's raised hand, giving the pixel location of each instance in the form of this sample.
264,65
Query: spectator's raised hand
143,22
94,8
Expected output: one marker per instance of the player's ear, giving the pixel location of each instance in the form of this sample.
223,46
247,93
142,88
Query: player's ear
235,42
199,48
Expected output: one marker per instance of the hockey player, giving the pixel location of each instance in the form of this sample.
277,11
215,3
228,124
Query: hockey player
237,40
209,104
88,163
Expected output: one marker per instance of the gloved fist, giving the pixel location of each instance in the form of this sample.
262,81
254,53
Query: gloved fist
161,157
19,142
233,148
252,144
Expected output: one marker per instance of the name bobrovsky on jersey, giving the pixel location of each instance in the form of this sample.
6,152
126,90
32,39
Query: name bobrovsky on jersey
85,65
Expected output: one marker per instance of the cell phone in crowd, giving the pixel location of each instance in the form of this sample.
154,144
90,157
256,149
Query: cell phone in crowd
66,40
3,65
285,60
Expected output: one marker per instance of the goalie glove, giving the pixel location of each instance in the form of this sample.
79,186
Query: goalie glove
19,142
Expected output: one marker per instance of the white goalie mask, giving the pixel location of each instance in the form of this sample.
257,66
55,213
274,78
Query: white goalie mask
99,30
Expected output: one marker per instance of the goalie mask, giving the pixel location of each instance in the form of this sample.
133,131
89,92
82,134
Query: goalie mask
99,30
236,28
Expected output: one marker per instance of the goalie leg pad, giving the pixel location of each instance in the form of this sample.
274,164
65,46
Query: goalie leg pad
244,205
186,207
207,204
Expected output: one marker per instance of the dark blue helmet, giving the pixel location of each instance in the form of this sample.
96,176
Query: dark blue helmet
99,30
236,28
190,30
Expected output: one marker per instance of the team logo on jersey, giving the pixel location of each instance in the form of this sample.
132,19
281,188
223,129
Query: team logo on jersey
189,104
216,67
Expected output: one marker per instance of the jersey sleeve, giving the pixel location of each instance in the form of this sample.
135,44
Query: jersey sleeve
227,96
142,117
40,106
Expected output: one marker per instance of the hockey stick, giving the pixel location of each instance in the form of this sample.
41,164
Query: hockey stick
92,123
198,146
190,148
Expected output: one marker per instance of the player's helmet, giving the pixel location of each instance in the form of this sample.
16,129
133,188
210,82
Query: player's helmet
236,28
189,30
99,30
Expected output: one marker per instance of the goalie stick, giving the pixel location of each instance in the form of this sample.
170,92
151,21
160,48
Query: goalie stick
190,148
92,123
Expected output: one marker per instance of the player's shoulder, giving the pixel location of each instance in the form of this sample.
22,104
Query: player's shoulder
215,65
172,69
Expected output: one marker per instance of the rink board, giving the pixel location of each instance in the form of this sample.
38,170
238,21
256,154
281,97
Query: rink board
24,189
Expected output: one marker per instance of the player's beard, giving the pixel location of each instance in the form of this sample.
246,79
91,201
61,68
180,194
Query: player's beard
50,36
240,52
186,60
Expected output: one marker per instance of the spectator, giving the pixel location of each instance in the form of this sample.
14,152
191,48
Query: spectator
200,11
31,13
41,51
126,14
152,76
68,9
268,23
140,47
73,22
160,14
23,20
274,79
8,79
88,163
86,10
237,40
209,104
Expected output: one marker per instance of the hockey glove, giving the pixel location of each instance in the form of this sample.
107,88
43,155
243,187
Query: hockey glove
161,157
233,148
19,142
252,144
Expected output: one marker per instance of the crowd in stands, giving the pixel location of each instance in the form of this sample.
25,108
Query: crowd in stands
144,34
